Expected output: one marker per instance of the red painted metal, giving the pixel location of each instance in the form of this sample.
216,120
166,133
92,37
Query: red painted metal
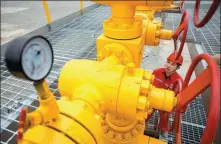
209,77
183,27
181,6
209,14
21,124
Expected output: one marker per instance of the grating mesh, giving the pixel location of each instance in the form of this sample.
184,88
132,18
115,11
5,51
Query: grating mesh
77,40
209,35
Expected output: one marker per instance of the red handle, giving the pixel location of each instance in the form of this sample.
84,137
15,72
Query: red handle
181,5
209,77
209,14
183,27
21,125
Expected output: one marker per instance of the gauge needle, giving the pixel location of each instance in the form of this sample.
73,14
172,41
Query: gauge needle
33,68
39,52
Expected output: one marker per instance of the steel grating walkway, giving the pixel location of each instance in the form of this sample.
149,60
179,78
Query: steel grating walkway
208,36
77,40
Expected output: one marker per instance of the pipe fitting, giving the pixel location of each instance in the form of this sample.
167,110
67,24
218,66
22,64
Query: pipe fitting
166,34
161,99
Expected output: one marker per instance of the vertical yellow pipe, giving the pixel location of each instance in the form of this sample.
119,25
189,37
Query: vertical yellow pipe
81,6
47,13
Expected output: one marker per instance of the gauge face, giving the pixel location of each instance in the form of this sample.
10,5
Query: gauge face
37,58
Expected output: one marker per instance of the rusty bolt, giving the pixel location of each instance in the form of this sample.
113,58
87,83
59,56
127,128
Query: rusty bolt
127,136
119,136
105,129
144,86
142,100
135,132
110,134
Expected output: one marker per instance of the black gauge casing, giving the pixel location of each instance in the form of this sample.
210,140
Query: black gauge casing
13,56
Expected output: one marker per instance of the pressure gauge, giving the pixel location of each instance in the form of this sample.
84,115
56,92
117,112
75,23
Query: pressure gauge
30,58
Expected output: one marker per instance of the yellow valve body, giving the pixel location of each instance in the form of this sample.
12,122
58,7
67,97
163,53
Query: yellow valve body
107,101
134,48
93,107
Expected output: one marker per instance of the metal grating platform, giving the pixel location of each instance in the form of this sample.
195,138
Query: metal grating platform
77,40
208,36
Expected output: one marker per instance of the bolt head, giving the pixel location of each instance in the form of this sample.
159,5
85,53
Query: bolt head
110,134
119,137
127,136
142,100
144,86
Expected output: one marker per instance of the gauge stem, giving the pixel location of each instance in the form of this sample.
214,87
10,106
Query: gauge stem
42,89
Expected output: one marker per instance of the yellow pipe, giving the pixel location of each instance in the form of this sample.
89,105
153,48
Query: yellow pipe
115,83
166,34
47,13
91,88
113,59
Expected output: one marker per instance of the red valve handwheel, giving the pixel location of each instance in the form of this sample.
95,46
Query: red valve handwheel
183,27
21,125
181,5
211,77
209,14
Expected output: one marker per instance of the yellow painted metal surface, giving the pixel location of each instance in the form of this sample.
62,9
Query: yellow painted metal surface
47,12
83,113
44,135
93,102
82,6
106,101
131,50
161,99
